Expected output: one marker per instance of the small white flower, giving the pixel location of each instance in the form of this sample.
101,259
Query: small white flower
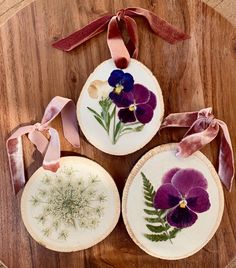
99,89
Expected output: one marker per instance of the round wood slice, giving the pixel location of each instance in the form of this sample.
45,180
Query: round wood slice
193,74
139,214
72,209
97,85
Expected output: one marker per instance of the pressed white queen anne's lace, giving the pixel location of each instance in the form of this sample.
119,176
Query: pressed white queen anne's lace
66,201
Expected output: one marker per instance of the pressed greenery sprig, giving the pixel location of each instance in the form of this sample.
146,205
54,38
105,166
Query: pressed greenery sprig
156,218
108,115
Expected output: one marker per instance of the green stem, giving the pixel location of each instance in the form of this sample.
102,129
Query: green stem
166,232
132,124
124,133
114,127
118,135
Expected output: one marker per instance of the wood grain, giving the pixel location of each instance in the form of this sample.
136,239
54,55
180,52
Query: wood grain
227,8
9,8
194,74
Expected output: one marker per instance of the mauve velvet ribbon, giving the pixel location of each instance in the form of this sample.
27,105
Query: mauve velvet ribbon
49,148
121,52
203,128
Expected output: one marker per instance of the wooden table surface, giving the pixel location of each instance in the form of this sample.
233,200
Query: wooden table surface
194,74
227,8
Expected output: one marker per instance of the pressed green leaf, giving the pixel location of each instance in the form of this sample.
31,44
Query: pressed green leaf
94,112
104,115
113,112
148,204
127,129
99,121
151,212
139,128
148,188
156,229
109,103
173,232
161,231
162,212
108,121
149,195
157,237
118,126
102,103
153,220
150,199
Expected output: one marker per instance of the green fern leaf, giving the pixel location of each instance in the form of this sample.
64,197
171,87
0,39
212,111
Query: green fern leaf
156,229
174,232
161,231
148,204
157,237
151,212
150,199
153,220
148,188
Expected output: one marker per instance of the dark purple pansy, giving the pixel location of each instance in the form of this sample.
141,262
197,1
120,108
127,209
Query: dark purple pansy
121,82
184,194
137,104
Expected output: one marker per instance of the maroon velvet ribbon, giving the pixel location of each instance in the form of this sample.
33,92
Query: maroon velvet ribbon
50,149
121,52
203,128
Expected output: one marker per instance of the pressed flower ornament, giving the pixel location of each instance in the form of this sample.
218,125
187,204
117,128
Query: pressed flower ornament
121,100
180,194
65,202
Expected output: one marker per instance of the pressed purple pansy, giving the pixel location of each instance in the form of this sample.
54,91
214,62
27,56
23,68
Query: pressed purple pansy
121,82
184,194
137,104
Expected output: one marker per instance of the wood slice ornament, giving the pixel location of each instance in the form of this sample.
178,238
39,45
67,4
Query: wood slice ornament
72,209
169,201
117,122
121,107
173,194
69,203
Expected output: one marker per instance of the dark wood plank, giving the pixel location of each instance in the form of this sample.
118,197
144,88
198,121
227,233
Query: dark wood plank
193,74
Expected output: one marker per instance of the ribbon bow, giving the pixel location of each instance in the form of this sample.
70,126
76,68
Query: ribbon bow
121,52
49,148
203,128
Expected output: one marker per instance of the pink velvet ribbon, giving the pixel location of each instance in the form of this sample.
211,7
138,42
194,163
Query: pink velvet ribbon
49,148
121,52
203,128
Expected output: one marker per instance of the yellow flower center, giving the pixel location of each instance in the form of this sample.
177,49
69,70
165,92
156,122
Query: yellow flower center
183,203
118,89
132,107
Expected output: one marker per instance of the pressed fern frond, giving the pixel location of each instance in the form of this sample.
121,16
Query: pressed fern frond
157,223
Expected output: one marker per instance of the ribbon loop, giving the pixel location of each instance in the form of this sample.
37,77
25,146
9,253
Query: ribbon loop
203,128
120,14
49,148
121,52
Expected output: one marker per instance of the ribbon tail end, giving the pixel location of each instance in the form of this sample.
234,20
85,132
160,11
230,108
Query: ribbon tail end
60,45
183,37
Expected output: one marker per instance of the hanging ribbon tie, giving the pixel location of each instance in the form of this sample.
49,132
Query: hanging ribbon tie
49,148
203,128
121,52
